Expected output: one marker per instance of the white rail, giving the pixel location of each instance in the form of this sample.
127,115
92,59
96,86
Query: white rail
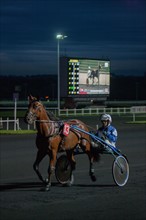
8,121
132,111
96,111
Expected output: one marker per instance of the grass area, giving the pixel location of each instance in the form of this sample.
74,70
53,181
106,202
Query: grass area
17,132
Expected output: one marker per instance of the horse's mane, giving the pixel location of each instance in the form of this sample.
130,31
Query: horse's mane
52,117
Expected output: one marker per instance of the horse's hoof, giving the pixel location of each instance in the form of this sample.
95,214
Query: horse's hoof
47,188
72,179
93,178
46,181
71,182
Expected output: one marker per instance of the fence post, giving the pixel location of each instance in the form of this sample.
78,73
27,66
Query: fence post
75,111
133,117
18,128
1,123
82,111
118,111
15,114
67,112
34,125
7,124
111,110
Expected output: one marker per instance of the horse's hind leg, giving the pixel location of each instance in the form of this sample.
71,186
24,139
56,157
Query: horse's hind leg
91,170
39,157
91,167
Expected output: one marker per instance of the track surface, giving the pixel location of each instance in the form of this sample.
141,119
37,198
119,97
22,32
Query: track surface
21,196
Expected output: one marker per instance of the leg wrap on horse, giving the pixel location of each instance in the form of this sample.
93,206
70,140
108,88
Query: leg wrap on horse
91,173
51,169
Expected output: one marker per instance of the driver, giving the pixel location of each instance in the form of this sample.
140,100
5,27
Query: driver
107,132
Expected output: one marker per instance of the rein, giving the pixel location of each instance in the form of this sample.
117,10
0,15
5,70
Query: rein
53,123
47,121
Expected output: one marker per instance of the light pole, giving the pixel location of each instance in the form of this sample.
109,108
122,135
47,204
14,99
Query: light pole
59,37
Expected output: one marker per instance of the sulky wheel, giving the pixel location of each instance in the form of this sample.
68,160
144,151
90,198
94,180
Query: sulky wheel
120,170
63,171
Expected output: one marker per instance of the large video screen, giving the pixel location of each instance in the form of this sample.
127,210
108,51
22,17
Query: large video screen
88,77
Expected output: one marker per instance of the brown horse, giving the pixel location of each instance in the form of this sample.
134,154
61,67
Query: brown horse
50,139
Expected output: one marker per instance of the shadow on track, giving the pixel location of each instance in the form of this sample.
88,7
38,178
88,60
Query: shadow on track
21,185
95,185
28,185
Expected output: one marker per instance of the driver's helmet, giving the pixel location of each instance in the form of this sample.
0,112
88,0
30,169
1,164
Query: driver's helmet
106,117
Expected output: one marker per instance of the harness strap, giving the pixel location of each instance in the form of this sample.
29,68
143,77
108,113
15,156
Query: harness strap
77,134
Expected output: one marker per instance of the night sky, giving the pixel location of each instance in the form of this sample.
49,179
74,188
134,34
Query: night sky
100,29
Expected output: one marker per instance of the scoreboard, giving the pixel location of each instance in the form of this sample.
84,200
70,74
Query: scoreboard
84,77
73,76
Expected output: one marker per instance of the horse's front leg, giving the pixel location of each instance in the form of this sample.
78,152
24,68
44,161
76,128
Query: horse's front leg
72,162
39,157
51,169
91,167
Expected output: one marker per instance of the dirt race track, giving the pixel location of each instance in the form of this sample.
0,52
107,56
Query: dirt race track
21,196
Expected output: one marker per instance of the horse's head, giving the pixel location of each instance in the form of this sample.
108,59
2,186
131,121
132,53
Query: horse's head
34,110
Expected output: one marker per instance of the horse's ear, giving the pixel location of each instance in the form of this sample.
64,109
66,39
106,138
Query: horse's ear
30,98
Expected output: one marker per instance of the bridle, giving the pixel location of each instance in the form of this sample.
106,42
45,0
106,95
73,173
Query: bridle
30,116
